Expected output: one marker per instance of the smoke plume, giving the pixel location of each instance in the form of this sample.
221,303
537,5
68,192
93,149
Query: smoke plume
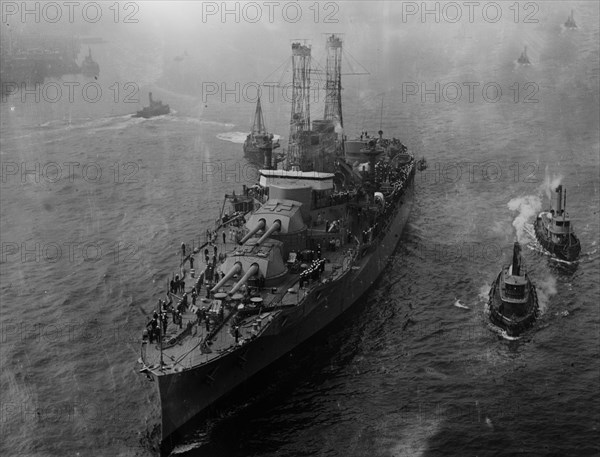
550,184
528,207
546,288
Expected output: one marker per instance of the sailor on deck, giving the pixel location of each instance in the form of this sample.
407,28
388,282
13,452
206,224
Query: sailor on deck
154,329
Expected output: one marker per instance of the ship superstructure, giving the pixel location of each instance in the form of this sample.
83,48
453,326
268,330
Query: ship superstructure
259,143
89,67
554,231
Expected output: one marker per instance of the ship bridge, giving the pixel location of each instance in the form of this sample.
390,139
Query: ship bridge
514,287
560,225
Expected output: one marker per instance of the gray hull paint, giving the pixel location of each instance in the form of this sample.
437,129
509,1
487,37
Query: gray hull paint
185,394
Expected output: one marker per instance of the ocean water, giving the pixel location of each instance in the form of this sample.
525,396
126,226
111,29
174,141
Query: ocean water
90,237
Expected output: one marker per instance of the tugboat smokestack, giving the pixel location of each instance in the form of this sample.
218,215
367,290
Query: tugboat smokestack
558,202
516,265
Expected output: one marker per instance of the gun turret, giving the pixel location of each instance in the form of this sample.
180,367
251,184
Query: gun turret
260,226
251,272
237,267
274,228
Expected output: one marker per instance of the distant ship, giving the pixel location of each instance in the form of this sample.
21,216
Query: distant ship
570,23
513,299
89,67
156,108
553,229
523,58
259,140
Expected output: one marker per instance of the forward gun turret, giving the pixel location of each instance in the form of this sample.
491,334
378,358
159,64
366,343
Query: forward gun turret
251,272
275,227
237,267
257,228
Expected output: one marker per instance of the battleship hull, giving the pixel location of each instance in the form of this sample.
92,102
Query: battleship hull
568,252
190,392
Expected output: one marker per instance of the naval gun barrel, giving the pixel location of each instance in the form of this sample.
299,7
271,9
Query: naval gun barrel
274,228
261,225
251,271
237,267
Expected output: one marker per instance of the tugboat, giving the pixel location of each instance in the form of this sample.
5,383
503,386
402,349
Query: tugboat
89,67
554,232
156,108
299,248
523,58
513,299
570,23
258,140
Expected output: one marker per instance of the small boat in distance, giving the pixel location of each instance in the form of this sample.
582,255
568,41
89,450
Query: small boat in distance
513,299
156,108
553,229
89,67
570,23
523,58
259,139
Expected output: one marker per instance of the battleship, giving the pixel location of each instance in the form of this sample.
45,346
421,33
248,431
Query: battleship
523,58
553,229
259,139
513,301
156,108
89,67
285,258
570,22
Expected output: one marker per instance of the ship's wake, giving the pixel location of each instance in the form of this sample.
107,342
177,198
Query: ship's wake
502,333
238,137
204,122
233,137
458,304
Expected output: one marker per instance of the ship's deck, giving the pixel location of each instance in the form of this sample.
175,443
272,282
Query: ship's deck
252,309
189,345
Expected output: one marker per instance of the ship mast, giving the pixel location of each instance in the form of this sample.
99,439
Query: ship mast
300,119
259,121
333,98
564,214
